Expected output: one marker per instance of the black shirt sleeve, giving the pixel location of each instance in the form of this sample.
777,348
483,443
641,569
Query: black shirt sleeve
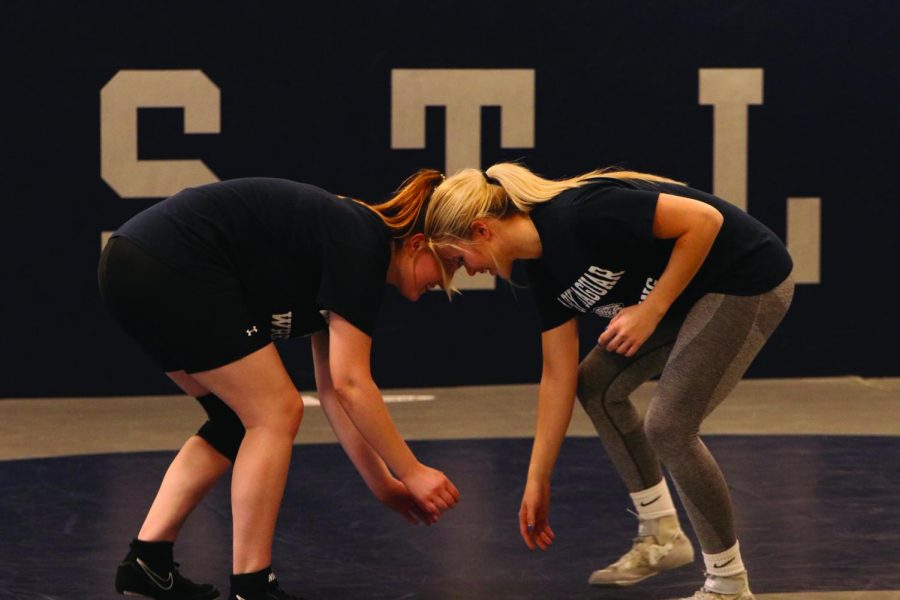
614,215
551,312
352,283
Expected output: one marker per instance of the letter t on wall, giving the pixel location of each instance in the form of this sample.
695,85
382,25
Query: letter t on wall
463,92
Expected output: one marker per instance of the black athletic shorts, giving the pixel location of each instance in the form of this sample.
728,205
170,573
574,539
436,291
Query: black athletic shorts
184,321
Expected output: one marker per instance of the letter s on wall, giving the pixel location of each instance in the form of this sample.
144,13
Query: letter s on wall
120,99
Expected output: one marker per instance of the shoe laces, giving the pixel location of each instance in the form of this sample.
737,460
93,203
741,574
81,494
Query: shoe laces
646,552
643,552
177,576
636,556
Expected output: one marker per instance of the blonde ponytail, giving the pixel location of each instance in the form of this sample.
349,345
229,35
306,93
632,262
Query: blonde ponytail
503,189
525,189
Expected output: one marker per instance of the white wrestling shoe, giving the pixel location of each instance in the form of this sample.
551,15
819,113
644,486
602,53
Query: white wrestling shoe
660,546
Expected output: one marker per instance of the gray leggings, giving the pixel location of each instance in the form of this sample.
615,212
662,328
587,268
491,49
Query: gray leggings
701,358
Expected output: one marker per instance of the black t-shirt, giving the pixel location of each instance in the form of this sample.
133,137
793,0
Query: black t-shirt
600,255
296,250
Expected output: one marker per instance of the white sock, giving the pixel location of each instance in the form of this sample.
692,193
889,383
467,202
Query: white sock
654,502
725,564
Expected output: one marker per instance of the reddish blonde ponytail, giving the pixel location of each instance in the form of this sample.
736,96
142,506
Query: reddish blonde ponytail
404,213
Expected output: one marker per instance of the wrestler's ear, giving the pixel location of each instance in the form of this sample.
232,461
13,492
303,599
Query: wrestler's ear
481,230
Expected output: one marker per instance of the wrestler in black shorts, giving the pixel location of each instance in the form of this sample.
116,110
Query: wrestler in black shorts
205,281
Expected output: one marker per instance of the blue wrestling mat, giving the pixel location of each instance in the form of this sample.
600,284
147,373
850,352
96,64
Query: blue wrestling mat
814,513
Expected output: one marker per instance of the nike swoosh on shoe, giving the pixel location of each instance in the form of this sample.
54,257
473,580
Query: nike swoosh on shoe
163,584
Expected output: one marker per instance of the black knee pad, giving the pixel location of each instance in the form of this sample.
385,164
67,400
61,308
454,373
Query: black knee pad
224,430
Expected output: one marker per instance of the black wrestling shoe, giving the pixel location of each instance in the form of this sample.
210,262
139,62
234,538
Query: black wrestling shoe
272,591
135,578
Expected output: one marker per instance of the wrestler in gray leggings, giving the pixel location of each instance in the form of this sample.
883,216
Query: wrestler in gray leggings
701,358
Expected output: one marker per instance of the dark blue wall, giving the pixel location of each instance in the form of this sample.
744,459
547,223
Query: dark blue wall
306,94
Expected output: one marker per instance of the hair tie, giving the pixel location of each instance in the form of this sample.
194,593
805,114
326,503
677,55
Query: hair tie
490,179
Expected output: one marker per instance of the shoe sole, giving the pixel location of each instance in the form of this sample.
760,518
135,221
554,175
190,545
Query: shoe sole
624,583
140,595
621,583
